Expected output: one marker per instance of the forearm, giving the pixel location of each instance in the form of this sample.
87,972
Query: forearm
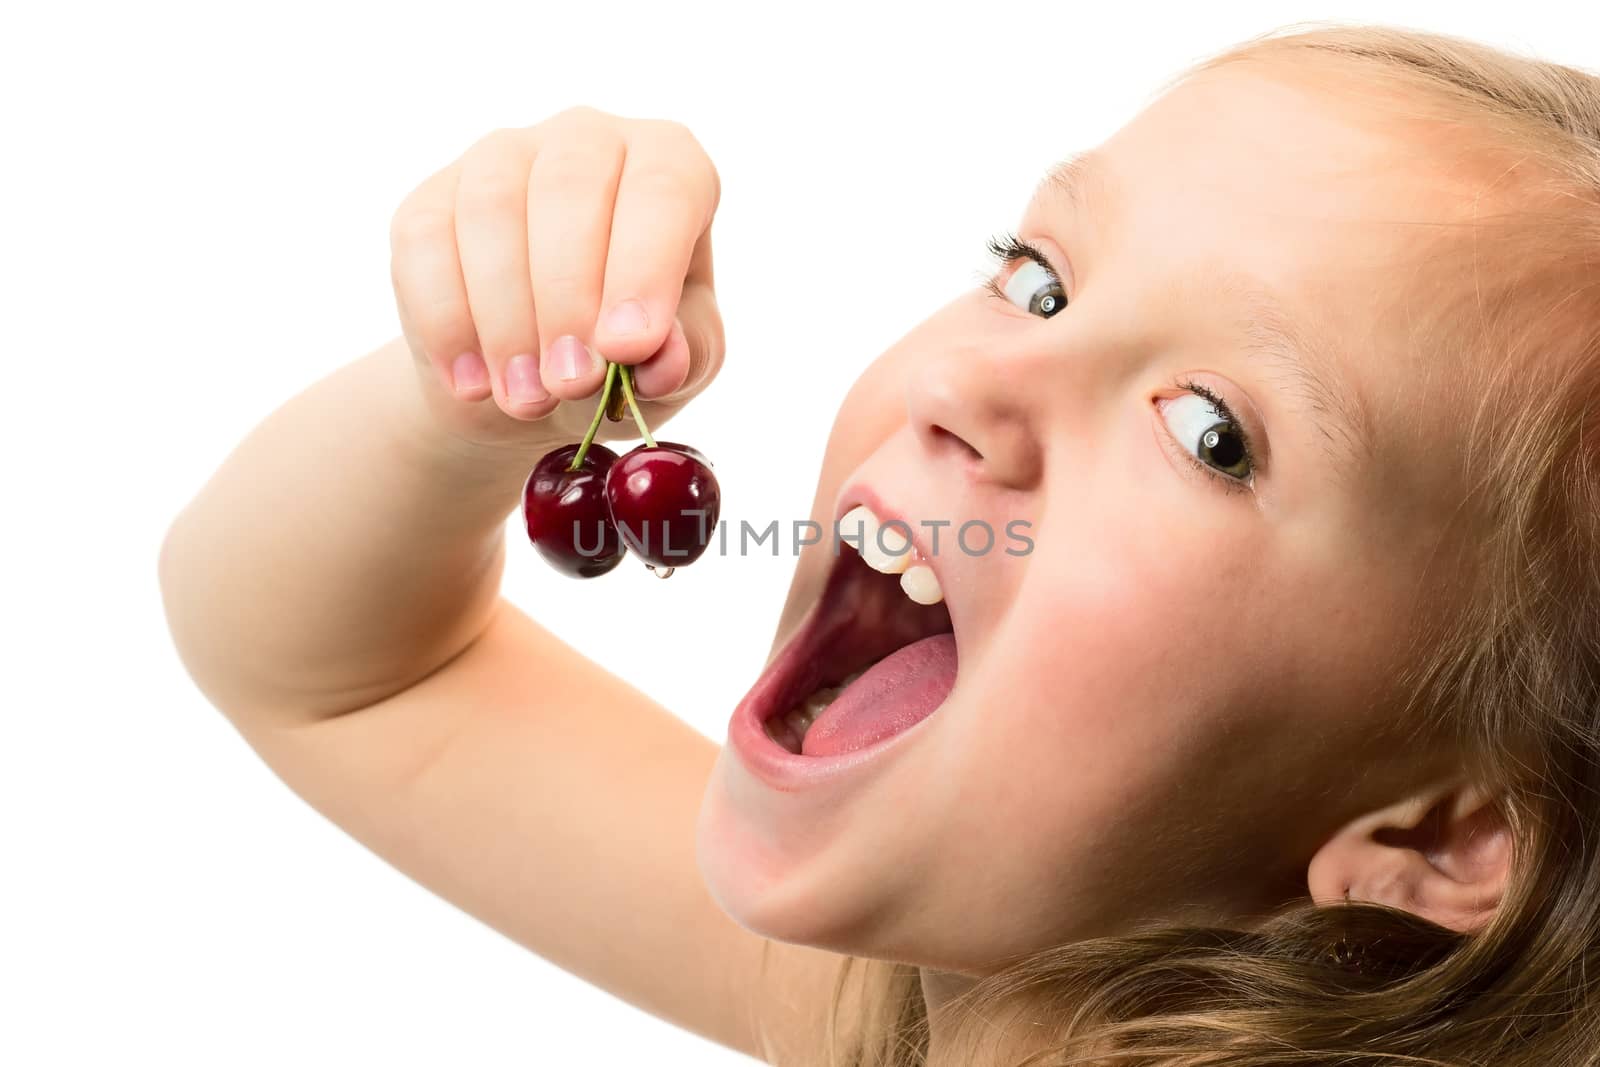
345,549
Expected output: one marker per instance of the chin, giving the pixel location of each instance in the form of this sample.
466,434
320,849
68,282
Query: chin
798,888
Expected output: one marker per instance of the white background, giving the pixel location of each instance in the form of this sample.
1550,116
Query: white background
194,228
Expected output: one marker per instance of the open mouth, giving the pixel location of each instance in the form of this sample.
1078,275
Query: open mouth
870,661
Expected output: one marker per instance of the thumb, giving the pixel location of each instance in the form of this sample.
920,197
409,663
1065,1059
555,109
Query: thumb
691,355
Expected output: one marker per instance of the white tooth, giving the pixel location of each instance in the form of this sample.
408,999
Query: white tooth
920,585
819,700
887,549
859,528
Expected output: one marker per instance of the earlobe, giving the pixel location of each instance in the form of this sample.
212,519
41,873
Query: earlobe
1443,854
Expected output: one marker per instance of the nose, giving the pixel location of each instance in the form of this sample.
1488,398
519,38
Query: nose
976,402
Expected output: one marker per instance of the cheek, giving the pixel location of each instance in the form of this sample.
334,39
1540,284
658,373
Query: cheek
1093,667
1139,594
1108,712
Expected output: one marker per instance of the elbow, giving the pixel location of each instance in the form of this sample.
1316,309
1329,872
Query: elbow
183,606
171,581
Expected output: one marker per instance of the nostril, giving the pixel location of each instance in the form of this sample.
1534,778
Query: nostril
943,438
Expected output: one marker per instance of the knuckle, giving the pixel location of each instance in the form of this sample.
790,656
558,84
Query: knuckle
576,112
418,225
670,131
439,317
669,183
580,120
693,167
561,295
496,143
497,292
571,168
490,196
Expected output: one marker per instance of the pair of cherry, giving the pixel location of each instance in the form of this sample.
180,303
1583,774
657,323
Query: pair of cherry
585,507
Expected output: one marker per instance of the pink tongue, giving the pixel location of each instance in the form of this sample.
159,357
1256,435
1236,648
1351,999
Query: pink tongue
900,690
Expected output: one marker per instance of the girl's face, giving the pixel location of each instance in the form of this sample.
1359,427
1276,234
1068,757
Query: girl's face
1169,703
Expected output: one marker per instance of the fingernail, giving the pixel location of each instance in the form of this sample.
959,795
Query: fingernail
625,318
469,372
522,380
570,358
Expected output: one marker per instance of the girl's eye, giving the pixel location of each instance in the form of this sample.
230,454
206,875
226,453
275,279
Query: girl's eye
1034,285
1210,435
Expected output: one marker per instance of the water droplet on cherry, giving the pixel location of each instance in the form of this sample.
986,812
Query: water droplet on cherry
664,501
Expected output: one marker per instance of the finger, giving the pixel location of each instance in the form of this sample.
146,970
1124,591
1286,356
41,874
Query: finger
688,367
491,232
464,379
665,201
431,295
667,368
570,198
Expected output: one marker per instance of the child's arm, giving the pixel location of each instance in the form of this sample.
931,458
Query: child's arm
334,589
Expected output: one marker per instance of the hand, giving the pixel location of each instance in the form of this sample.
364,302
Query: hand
508,264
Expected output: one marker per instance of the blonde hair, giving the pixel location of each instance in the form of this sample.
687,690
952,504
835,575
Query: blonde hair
1511,678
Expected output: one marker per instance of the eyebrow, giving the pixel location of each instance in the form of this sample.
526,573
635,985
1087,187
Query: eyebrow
1271,337
1280,343
1069,178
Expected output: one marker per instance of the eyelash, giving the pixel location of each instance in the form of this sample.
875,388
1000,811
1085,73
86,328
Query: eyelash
1008,248
1234,426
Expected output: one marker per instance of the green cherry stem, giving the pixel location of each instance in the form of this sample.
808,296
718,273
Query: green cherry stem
594,424
633,406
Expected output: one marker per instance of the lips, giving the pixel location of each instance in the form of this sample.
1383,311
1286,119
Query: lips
863,623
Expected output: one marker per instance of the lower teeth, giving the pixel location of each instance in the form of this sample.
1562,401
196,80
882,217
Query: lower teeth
789,729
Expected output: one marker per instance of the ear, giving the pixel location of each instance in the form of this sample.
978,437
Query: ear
1443,854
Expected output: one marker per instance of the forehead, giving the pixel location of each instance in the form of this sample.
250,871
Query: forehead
1307,186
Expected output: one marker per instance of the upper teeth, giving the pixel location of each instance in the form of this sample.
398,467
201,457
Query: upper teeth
888,549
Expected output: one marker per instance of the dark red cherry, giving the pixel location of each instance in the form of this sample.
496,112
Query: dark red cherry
566,515
664,501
